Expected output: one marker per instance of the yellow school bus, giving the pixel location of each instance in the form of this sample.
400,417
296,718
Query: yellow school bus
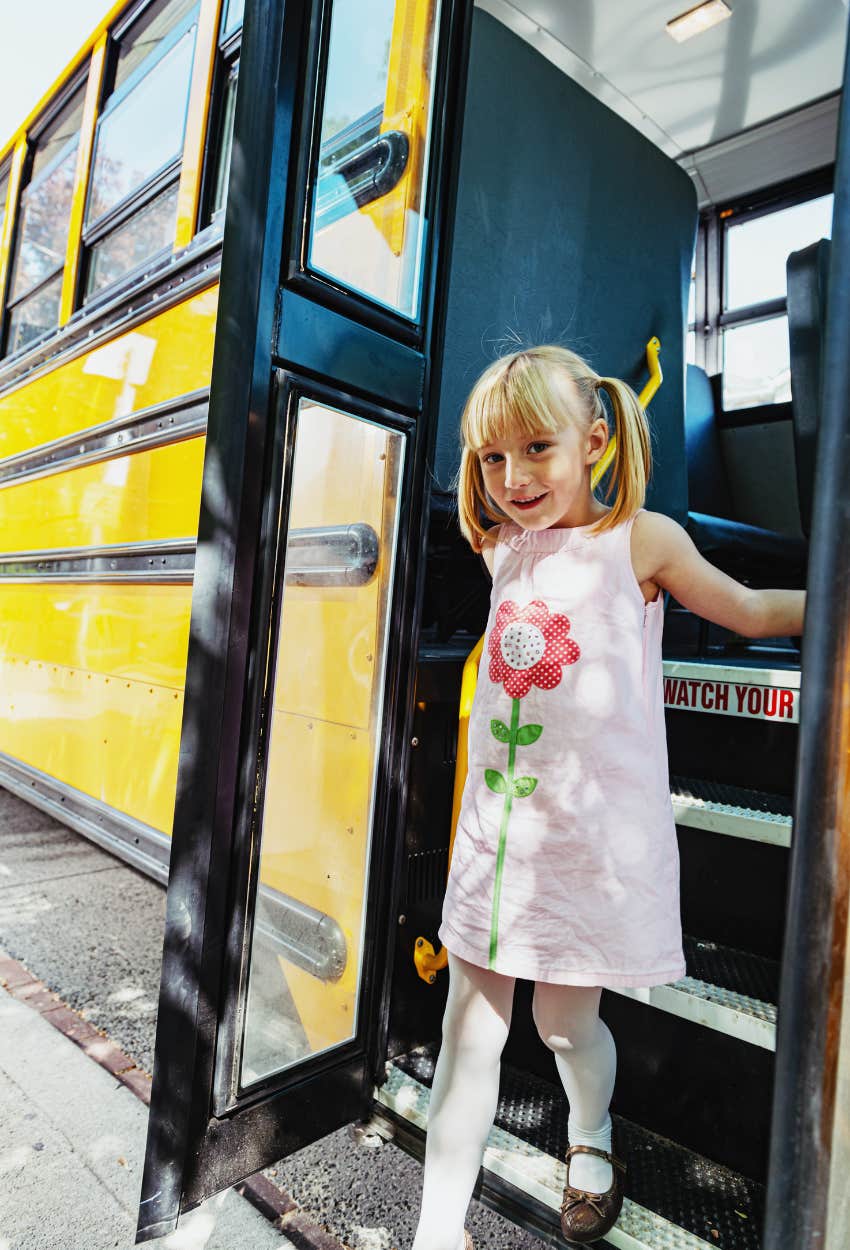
112,193
237,616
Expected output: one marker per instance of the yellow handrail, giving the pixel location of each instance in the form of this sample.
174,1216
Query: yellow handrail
653,382
428,962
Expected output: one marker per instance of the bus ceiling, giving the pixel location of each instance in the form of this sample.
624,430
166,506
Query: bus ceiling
747,103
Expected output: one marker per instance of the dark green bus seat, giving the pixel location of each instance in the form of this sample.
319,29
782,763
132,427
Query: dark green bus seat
760,557
708,489
808,272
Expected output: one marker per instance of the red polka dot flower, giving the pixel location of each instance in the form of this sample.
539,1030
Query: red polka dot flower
529,647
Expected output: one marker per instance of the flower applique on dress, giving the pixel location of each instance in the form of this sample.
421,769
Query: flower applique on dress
528,647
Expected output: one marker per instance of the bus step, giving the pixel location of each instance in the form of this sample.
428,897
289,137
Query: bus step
675,1199
728,990
733,810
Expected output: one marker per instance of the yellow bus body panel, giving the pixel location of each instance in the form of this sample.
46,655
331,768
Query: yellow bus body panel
169,355
92,688
149,495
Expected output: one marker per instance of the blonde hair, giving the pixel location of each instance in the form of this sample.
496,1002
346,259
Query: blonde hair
519,395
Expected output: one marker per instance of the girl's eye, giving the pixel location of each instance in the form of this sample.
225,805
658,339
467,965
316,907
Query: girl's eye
492,457
538,446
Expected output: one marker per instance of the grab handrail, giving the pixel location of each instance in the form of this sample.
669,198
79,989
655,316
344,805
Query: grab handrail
656,377
426,961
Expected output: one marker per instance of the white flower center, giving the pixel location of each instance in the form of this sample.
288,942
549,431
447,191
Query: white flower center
522,645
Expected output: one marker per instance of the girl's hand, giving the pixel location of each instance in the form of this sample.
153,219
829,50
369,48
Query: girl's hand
662,552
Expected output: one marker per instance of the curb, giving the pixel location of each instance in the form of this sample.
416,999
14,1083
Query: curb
277,1207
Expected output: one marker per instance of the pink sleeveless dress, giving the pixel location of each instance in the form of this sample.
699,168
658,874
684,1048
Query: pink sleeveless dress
565,865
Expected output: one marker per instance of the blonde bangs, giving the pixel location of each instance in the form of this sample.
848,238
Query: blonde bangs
514,396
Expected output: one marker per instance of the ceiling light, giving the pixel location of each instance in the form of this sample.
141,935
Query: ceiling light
698,19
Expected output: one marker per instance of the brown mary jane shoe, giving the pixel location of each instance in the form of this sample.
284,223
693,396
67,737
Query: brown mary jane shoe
585,1216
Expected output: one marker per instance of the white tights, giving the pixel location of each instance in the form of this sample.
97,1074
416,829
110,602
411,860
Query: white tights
466,1087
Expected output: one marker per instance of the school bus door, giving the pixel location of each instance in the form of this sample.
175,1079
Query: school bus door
273,1002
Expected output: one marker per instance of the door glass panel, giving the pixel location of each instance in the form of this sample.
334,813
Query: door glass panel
325,731
368,227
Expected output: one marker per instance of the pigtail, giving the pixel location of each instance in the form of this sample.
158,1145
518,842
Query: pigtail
632,464
472,499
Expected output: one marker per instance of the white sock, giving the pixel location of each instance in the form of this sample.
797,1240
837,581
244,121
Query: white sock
589,1171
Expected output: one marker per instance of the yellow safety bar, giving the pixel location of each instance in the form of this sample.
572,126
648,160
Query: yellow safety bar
428,962
653,382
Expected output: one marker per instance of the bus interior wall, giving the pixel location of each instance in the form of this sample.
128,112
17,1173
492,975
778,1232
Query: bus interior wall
593,228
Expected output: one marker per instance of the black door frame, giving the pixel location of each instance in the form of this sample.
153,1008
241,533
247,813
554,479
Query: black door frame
814,1013
277,322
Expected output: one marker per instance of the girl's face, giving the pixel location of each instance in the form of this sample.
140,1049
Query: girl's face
544,480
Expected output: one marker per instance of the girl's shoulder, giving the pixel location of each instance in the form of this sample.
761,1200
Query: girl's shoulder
654,527
654,538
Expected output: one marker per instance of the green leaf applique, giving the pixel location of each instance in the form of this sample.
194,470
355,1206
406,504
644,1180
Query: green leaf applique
499,730
523,786
527,734
495,780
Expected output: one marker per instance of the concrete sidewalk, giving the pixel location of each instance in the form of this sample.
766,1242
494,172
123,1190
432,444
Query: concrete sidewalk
72,1140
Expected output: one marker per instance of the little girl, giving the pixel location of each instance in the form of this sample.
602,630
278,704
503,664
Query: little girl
565,867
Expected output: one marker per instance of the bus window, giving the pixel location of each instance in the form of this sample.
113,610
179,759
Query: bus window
756,367
223,111
146,35
234,11
45,209
224,147
4,191
691,336
132,205
367,227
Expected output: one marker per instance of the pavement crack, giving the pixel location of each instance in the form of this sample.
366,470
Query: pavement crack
64,876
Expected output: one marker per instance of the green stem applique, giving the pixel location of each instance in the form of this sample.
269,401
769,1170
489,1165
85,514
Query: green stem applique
511,787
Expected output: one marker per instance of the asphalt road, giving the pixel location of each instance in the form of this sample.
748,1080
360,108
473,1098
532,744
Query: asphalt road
90,927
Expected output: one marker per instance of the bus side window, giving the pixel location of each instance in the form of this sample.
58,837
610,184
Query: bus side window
233,12
4,192
756,364
224,145
132,202
35,287
222,112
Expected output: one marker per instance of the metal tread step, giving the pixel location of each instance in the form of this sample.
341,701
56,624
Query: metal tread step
731,991
733,810
675,1199
769,669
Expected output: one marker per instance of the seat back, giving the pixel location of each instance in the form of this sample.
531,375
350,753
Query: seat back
807,272
708,487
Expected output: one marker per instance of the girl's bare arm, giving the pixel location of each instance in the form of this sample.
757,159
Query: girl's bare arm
664,553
